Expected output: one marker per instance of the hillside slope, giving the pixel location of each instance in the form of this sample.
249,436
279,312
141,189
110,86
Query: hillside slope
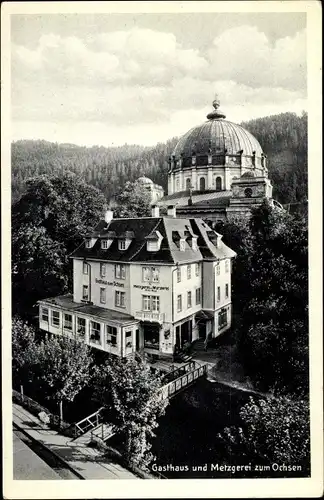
283,138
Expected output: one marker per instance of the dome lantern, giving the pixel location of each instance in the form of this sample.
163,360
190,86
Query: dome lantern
216,114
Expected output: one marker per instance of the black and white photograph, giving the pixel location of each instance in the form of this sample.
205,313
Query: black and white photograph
161,286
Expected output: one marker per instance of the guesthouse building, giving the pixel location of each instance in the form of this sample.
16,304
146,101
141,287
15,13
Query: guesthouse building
151,284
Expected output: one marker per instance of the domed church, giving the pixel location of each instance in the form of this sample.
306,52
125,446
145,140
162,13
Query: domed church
217,170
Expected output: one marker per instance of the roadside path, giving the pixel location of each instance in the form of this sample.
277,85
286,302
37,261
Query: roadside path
86,462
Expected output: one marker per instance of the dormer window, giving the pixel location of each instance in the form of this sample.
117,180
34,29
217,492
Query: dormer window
122,244
124,240
104,244
153,241
182,245
194,243
89,242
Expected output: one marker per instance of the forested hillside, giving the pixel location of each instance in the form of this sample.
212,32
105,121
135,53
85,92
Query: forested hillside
283,138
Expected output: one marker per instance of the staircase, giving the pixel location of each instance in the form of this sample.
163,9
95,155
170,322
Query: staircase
199,345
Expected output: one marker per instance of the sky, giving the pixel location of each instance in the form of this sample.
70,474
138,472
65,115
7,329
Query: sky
111,79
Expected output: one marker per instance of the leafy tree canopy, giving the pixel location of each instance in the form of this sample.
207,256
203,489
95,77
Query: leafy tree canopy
274,430
48,222
270,297
133,201
130,391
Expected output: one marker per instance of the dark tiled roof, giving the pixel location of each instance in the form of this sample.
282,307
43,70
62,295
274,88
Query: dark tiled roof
172,230
66,302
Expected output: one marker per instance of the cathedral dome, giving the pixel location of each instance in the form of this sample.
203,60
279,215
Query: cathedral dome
209,142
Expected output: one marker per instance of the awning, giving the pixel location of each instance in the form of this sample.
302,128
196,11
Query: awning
206,315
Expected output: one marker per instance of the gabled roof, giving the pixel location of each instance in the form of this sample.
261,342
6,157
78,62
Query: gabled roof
171,229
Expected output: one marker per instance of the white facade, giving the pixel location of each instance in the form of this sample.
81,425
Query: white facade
121,307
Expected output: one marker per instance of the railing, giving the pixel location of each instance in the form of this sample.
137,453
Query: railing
182,370
150,316
103,432
88,423
175,386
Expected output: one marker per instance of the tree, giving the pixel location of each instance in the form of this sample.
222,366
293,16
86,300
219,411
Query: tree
130,391
270,297
63,368
133,201
38,266
22,344
275,430
48,222
55,368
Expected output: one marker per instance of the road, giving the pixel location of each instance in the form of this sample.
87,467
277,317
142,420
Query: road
33,461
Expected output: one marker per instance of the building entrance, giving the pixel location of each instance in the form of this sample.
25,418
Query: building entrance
151,335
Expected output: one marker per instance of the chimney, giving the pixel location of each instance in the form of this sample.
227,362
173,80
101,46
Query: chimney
171,211
155,211
109,216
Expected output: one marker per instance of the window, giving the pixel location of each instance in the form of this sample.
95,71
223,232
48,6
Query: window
198,296
122,245
88,243
151,274
189,301
44,314
218,183
81,327
188,184
189,272
151,303
146,302
222,319
178,274
179,303
128,336
182,245
95,336
111,335
102,295
102,269
119,299
155,274
120,271
248,192
218,294
55,319
194,244
104,244
217,269
67,322
146,274
197,269
85,268
202,184
85,292
155,303
226,291
227,266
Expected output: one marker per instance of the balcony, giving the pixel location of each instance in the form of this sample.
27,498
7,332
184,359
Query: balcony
154,317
